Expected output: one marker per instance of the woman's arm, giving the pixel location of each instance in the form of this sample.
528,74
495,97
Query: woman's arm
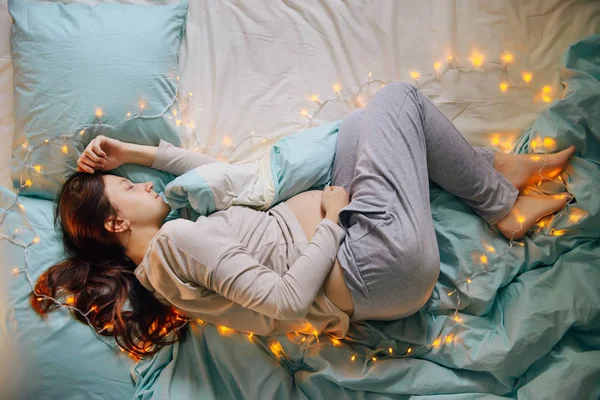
165,157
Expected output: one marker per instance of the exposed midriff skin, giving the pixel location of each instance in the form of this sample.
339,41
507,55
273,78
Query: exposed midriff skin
306,207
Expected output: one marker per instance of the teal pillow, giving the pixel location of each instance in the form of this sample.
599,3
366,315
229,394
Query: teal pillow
57,357
82,70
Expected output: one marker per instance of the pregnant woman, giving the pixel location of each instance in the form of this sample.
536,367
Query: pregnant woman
364,249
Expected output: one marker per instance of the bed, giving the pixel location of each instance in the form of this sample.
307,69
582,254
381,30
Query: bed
252,72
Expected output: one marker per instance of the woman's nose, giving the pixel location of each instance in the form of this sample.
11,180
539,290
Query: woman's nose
149,186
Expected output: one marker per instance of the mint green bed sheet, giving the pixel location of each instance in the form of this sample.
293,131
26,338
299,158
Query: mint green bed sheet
530,328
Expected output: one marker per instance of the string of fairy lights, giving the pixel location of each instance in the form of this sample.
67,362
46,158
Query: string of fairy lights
309,337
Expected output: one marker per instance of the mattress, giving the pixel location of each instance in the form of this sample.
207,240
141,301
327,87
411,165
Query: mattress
249,69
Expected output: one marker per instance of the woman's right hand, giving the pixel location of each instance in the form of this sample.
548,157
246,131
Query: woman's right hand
333,200
103,154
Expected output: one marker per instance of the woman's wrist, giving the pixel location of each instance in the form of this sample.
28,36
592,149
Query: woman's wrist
334,216
138,154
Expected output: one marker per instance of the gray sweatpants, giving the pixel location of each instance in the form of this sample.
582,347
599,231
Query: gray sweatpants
385,156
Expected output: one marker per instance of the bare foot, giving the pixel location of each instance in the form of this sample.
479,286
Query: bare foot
523,170
527,211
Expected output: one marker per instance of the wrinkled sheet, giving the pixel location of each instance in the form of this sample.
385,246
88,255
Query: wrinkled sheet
528,321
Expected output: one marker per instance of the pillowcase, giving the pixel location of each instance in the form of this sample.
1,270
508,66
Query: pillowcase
57,357
82,70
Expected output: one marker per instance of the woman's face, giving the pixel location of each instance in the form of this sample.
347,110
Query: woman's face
136,202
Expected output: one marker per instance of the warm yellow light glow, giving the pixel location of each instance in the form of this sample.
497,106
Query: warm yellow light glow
252,133
449,338
304,113
549,142
503,86
437,66
495,139
25,144
178,122
337,87
94,308
264,140
82,132
370,74
547,89
303,339
21,206
534,143
374,358
190,94
36,239
223,330
353,357
99,112
535,158
27,182
437,342
276,348
476,58
521,219
507,57
46,141
577,214
450,293
558,232
15,271
457,318
415,75
449,57
490,248
541,224
177,77
199,321
142,105
37,168
250,335
335,342
468,280
527,76
314,97
483,259
65,149
227,141
108,326
546,99
409,350
174,112
70,300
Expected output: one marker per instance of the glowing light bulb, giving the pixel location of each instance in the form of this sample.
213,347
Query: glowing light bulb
549,142
304,113
546,99
99,112
227,141
335,342
547,89
527,76
437,342
503,86
314,98
468,280
27,182
415,75
409,350
26,144
15,271
250,335
370,74
177,77
142,105
22,207
252,133
37,168
82,132
190,94
337,88
174,112
46,141
483,259
374,358
276,348
476,58
65,149
36,239
70,300
390,350
449,57
199,321
94,308
224,330
490,248
534,143
449,338
521,219
495,139
507,57
437,66
558,232
353,357
457,318
535,158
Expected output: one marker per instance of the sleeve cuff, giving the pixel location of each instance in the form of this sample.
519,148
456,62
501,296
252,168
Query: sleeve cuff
159,158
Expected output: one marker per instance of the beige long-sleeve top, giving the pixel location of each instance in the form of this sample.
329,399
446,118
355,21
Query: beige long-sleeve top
249,270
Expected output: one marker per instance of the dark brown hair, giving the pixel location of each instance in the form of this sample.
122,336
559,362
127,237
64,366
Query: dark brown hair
99,276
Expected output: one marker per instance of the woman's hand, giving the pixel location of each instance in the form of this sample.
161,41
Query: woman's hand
333,200
103,154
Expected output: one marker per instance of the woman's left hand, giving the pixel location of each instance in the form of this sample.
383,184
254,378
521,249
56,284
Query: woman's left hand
103,154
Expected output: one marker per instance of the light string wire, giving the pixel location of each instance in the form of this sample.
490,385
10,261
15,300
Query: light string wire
311,340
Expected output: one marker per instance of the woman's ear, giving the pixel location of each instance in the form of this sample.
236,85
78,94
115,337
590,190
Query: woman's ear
116,225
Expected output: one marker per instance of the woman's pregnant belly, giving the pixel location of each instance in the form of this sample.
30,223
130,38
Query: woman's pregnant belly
306,207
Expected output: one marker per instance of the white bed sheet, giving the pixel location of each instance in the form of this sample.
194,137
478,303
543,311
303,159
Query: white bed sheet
252,66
